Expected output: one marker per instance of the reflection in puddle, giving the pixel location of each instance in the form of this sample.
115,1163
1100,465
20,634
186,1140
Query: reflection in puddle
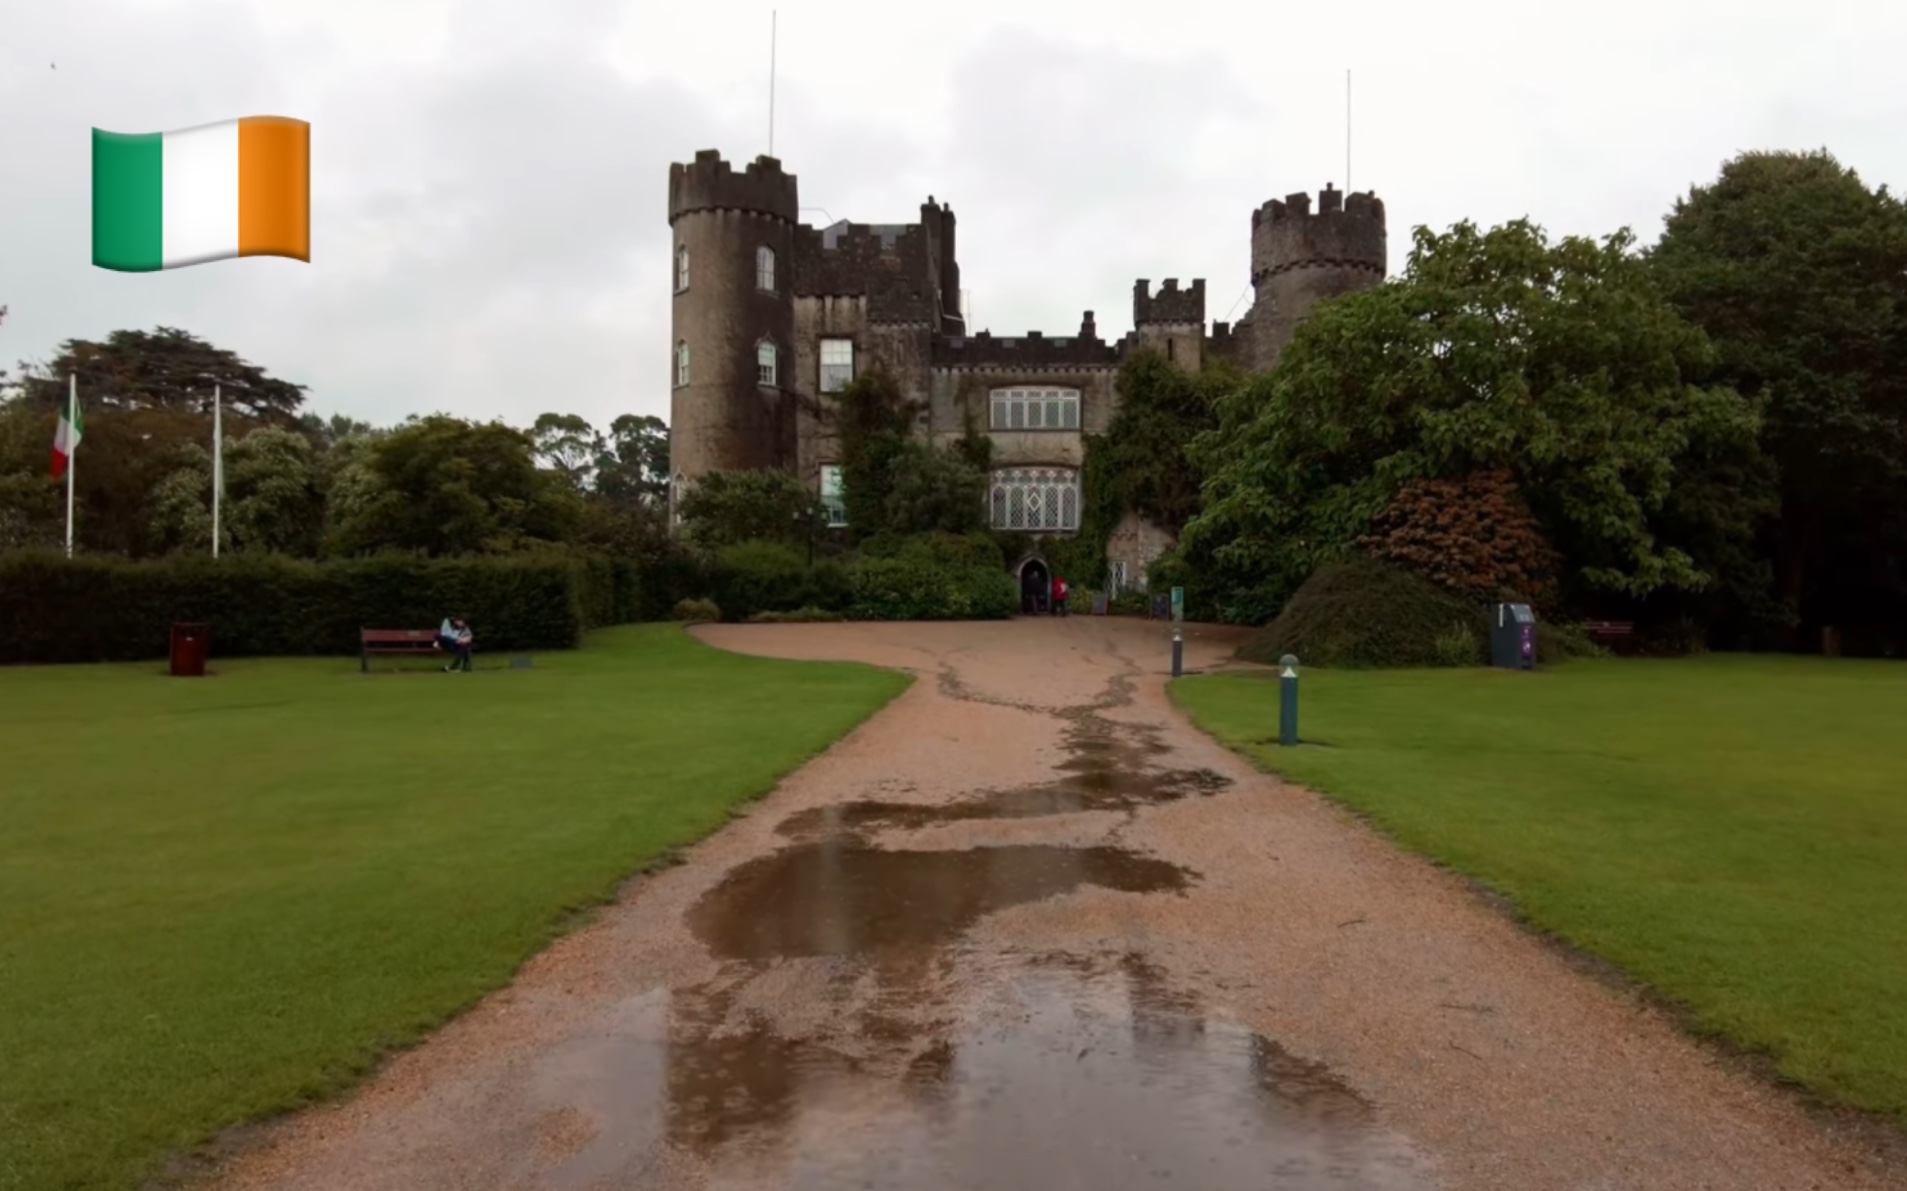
1061,1074
842,898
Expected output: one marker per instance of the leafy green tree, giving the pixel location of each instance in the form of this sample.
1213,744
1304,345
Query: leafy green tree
444,486
934,491
1797,270
875,421
326,433
633,466
273,500
569,446
164,368
1162,410
1559,364
726,508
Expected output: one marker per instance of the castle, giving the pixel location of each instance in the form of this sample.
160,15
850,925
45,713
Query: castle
772,315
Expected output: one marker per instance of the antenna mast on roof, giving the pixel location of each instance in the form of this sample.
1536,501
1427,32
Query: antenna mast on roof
772,15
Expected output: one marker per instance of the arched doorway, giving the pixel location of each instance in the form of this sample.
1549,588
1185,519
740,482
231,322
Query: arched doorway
1036,587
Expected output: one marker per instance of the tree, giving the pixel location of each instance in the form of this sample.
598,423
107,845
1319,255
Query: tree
1162,410
326,433
1798,272
1559,364
633,466
443,486
570,446
1475,536
934,491
164,368
875,421
726,508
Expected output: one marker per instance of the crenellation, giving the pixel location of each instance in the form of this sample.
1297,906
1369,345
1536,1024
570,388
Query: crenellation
1170,305
709,183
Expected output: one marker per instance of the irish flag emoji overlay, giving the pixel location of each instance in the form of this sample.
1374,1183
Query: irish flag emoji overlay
163,200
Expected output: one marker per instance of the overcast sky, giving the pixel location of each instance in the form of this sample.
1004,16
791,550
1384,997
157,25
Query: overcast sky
489,179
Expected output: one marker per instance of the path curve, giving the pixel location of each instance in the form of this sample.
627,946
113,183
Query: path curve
879,977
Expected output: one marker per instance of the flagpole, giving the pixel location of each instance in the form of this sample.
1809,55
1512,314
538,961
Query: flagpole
772,15
72,456
218,465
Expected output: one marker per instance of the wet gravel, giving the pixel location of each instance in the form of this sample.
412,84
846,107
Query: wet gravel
1026,928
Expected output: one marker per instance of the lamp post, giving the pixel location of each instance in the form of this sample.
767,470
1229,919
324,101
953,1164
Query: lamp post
1178,652
1288,701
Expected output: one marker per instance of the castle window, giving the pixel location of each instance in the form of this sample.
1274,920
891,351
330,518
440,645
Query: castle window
834,496
765,362
1035,409
765,268
1035,499
681,267
682,363
837,364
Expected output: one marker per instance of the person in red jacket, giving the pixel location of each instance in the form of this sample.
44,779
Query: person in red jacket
1059,595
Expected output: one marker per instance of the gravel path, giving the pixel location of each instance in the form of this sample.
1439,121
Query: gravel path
1027,928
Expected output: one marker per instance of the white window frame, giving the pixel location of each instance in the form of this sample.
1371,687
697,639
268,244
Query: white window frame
767,363
836,374
765,268
681,268
833,496
1034,499
682,364
1029,408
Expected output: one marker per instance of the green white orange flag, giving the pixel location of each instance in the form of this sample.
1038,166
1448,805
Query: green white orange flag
66,435
164,200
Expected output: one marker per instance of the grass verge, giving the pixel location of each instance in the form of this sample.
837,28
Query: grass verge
223,898
1729,830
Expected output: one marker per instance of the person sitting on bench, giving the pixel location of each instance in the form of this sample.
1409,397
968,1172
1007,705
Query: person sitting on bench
447,635
460,640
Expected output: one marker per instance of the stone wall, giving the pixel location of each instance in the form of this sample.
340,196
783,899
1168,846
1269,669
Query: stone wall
1138,543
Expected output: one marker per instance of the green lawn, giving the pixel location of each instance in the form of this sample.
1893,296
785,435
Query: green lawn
222,897
1731,830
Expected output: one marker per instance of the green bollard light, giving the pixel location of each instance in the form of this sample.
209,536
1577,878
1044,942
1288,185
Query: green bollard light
1288,701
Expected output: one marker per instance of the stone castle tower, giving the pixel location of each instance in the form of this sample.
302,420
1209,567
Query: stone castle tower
772,316
1299,259
732,253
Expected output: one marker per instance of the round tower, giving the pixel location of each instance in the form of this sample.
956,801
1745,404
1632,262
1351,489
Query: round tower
1299,259
731,343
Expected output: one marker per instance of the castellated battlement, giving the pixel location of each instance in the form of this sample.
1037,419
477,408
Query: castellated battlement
709,183
1170,305
1346,232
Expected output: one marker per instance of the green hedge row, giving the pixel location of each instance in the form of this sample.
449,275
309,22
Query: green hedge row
932,579
54,609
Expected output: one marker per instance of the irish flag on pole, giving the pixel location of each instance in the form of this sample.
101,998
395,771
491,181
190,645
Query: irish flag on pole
167,199
66,437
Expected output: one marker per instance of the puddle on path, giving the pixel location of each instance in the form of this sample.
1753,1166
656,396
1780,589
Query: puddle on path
1069,1074
842,898
1109,770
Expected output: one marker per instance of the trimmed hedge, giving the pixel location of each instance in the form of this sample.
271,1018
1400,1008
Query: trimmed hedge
1366,613
97,609
917,589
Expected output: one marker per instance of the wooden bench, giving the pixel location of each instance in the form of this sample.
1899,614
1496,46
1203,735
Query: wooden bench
398,643
1607,630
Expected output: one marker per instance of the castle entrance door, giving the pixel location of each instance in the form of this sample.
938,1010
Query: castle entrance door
1036,587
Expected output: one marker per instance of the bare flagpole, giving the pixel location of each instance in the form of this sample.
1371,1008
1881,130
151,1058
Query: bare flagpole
72,455
772,15
1347,130
218,465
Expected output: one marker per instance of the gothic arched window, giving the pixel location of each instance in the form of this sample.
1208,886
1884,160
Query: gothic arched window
682,363
765,370
765,268
681,267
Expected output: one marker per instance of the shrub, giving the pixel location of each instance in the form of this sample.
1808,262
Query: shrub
100,609
1459,646
697,612
1475,536
759,576
1130,603
1560,642
917,589
798,616
1367,613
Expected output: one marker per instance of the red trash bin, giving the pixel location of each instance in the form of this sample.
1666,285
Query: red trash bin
189,643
